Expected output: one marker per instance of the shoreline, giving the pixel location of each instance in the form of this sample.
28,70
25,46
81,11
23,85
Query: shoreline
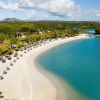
26,80
98,35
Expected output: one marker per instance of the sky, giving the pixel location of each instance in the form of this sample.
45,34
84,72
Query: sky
67,10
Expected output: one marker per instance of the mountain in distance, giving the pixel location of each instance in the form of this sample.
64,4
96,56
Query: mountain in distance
11,20
32,20
15,20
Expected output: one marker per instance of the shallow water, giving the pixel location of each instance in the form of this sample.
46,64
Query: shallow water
78,63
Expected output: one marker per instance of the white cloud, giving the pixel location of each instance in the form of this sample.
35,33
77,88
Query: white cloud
9,6
97,13
1,17
32,14
26,2
56,8
61,8
89,15
92,13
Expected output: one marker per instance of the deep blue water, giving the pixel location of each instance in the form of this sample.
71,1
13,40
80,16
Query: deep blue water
77,62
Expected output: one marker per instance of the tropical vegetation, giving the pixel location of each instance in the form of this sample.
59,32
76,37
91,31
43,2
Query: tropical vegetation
16,35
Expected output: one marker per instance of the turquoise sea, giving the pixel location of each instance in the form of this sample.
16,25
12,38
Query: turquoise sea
78,63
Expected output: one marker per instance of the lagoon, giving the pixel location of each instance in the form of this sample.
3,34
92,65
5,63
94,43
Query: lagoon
78,63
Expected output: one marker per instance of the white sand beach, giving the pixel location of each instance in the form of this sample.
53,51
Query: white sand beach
24,81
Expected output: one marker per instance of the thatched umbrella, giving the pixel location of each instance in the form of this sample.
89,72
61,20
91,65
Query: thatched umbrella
24,51
4,72
1,77
9,58
7,68
0,93
15,54
28,50
14,60
11,64
21,55
21,49
6,56
3,60
18,58
1,96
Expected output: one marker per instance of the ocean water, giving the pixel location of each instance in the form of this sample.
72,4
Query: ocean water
78,63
